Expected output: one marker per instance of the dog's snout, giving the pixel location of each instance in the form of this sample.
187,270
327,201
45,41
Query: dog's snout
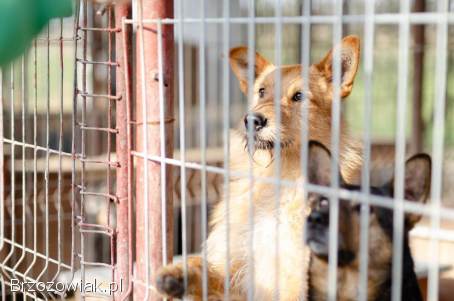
318,218
255,120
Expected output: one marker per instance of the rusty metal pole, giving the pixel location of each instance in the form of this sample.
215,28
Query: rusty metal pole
416,143
123,51
151,238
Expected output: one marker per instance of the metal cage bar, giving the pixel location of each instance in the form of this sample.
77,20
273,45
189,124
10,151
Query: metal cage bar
154,204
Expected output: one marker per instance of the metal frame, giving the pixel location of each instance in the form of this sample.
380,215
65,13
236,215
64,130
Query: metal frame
139,90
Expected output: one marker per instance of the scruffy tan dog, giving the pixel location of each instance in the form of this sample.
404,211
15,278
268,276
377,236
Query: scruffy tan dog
278,252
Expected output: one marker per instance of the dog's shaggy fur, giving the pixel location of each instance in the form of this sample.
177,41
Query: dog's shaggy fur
285,277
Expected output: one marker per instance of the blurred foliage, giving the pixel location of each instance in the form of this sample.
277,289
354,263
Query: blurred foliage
22,20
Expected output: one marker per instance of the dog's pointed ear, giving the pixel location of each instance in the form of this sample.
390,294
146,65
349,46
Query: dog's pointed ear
239,62
349,51
418,171
318,164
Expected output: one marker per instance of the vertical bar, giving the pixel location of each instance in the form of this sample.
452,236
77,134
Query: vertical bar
35,162
335,135
182,133
250,138
73,134
123,46
162,135
148,141
305,64
109,135
60,149
418,81
438,144
23,188
13,167
277,147
203,146
83,140
365,175
398,226
226,138
46,172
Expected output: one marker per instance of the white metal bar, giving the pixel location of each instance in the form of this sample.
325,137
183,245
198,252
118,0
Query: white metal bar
33,146
73,134
162,134
182,130
32,251
35,164
23,188
335,136
305,74
250,143
226,138
203,146
277,146
398,228
385,18
83,140
438,144
46,173
385,202
60,156
369,31
3,265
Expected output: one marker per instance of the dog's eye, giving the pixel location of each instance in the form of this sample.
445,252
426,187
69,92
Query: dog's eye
298,96
261,92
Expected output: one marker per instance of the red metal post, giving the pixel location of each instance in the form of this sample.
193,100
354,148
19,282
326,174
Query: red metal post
123,51
153,9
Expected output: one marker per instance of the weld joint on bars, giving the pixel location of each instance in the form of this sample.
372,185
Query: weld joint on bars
113,197
83,126
94,228
106,63
86,94
85,159
117,29
95,264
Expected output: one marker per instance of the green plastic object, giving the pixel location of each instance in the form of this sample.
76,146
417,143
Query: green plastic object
22,20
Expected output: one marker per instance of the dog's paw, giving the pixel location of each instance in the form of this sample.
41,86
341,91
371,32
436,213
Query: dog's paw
170,282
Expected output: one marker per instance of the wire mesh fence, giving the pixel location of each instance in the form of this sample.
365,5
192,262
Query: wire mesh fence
176,133
58,169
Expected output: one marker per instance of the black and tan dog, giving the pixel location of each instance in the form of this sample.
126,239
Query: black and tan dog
417,186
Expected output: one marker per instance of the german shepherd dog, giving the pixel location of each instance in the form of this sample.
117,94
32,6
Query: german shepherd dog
417,186
268,277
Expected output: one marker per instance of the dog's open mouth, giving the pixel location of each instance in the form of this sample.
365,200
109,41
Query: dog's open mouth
264,144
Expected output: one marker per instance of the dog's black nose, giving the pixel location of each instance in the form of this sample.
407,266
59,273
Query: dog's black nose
256,120
318,218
